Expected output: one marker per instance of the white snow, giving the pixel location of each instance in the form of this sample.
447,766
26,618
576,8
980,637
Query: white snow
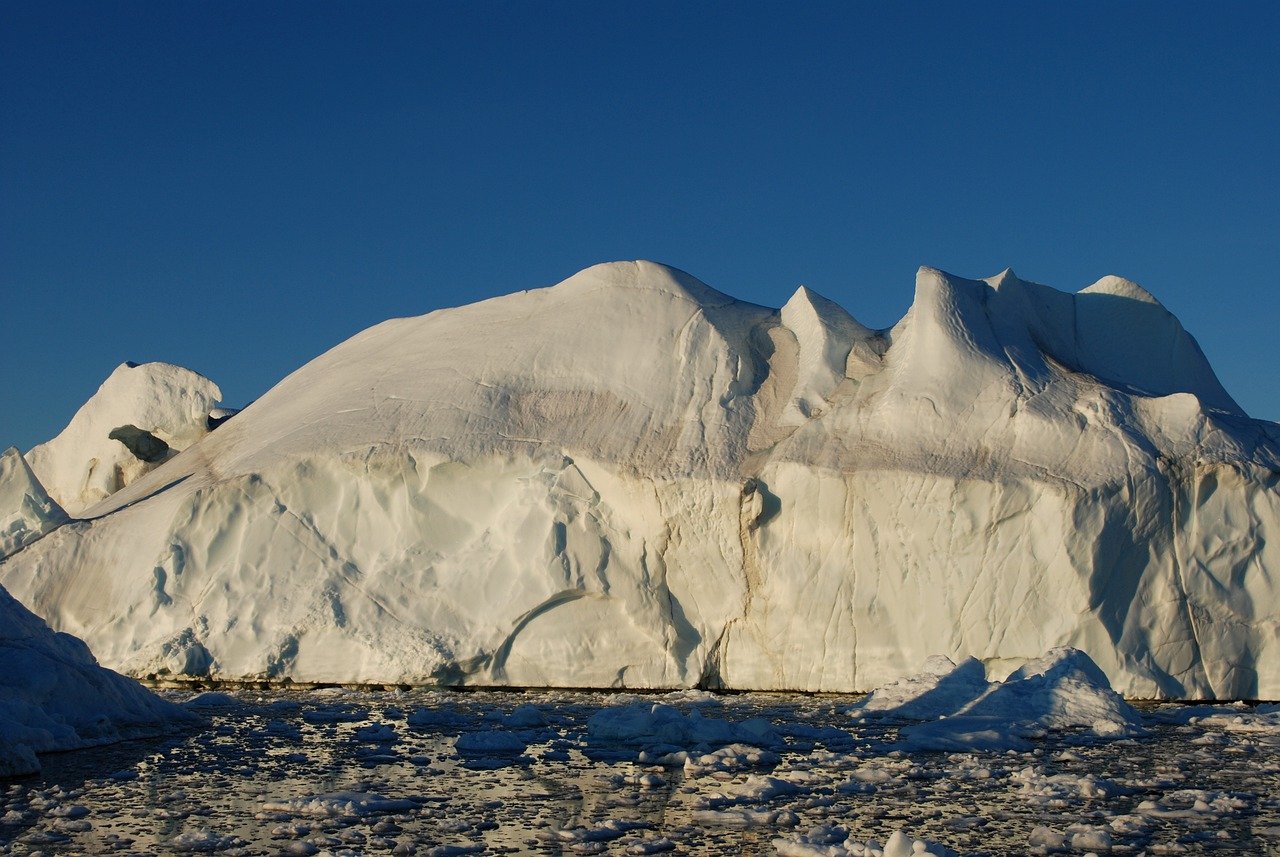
84,465
963,711
633,480
54,696
27,511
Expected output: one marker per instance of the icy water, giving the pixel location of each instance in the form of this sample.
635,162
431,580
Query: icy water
424,772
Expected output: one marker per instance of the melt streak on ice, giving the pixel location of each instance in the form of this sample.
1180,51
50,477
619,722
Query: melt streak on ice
631,479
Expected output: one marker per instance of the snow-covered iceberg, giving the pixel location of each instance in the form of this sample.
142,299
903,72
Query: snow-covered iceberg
632,479
54,696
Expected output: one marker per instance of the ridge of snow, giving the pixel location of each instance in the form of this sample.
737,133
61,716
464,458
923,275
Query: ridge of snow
610,483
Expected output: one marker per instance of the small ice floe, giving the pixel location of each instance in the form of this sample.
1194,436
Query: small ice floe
836,841
659,725
962,711
336,714
376,733
745,817
614,828
494,742
755,789
203,841
728,759
524,717
436,718
352,804
212,700
1055,790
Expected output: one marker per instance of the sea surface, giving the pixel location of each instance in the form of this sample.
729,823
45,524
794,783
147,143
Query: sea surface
341,772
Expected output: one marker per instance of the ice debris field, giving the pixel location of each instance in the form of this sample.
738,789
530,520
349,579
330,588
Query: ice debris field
422,772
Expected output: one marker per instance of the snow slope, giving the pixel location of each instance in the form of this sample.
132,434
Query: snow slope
633,479
54,696
85,463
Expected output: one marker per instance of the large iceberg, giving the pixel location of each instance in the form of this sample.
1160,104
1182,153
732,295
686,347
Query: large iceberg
632,479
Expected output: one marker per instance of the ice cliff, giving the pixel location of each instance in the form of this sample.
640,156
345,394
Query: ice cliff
632,479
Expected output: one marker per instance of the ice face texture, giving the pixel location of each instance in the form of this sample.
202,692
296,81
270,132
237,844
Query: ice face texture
27,511
54,696
141,415
632,479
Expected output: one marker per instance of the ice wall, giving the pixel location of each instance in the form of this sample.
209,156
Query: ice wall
631,479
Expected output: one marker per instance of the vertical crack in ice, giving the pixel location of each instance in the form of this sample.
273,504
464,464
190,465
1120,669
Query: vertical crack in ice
1181,492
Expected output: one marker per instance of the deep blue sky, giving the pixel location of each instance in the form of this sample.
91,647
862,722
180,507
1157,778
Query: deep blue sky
238,186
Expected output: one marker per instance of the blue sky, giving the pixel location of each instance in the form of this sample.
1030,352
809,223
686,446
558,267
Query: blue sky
238,186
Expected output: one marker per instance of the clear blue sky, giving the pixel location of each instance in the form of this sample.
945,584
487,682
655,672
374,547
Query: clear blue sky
238,186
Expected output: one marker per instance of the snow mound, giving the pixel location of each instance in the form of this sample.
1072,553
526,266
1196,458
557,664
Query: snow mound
141,416
631,479
27,511
963,711
54,696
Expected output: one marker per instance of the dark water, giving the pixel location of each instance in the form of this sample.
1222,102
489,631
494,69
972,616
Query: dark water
254,781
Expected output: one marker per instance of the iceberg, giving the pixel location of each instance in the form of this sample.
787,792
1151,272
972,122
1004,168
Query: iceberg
631,479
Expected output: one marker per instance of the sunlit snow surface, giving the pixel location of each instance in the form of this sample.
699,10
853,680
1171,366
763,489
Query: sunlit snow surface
347,772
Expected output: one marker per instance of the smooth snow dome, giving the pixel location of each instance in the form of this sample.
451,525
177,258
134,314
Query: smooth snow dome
85,463
54,696
631,479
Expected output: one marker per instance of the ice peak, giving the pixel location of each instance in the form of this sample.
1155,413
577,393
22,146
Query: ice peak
645,276
1121,288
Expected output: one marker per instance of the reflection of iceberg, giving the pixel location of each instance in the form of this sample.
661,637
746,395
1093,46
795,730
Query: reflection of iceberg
633,480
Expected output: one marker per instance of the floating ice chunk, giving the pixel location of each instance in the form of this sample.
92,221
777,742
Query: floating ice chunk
203,841
525,717
963,711
376,733
942,688
648,724
339,804
834,841
493,742
210,700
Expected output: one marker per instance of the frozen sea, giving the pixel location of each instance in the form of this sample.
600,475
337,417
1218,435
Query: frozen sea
337,771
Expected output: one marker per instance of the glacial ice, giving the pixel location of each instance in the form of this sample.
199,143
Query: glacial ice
962,711
27,511
631,479
54,696
165,407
